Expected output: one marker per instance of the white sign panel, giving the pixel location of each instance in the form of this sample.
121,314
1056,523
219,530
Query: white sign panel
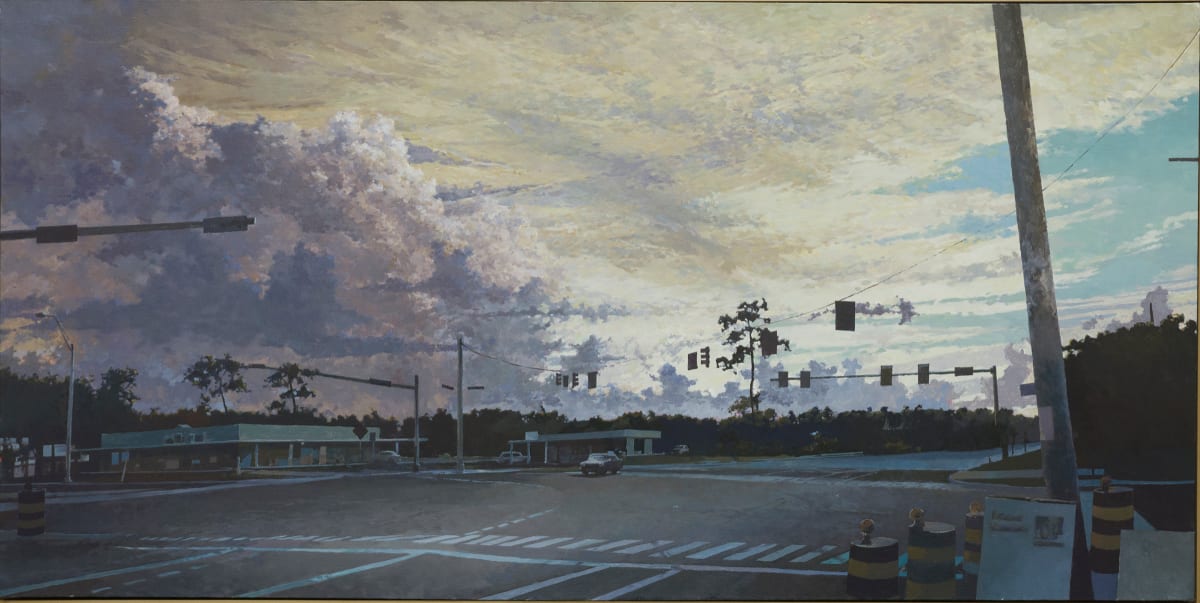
1027,547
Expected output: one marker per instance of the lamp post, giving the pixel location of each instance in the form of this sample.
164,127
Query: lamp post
70,390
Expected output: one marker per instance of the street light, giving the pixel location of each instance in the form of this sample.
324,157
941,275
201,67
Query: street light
70,389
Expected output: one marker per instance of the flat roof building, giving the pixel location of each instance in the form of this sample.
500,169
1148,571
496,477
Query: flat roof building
567,448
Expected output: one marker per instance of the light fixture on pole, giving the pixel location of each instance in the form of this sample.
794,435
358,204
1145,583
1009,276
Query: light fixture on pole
70,389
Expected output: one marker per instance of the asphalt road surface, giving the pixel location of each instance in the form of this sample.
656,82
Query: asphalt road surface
719,532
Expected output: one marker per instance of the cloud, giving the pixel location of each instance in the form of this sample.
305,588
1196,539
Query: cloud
1155,303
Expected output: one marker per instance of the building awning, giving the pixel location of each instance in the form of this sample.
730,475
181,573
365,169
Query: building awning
211,443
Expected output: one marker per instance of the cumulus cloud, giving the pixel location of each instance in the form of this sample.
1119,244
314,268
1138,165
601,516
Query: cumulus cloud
1155,303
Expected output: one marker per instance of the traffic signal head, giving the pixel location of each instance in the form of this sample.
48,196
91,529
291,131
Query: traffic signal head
574,380
704,356
885,375
805,378
557,378
783,379
770,342
922,374
692,361
592,377
844,311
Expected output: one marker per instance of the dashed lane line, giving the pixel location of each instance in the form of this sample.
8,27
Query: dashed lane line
640,584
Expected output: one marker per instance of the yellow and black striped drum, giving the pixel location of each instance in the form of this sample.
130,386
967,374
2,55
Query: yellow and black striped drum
972,549
931,551
1112,511
31,512
874,571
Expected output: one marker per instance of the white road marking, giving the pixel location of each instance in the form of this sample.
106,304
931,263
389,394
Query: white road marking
503,525
134,581
477,538
716,550
101,589
323,577
749,552
105,574
612,545
813,555
435,539
581,543
502,539
170,573
641,548
791,548
487,539
518,520
196,567
681,549
523,541
517,592
487,528
545,543
640,584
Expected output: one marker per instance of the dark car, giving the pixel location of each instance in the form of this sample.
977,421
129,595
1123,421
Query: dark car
601,463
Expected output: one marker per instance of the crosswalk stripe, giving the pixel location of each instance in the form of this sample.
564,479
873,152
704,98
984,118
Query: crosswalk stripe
460,539
749,552
545,543
434,539
681,549
488,539
502,540
612,545
641,548
842,559
805,558
716,550
523,541
581,543
791,548
477,539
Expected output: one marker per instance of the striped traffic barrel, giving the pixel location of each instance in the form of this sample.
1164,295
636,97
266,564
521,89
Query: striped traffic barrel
972,548
1112,511
931,548
874,569
31,512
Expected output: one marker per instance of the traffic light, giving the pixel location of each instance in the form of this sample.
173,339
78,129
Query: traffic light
844,315
574,380
922,374
566,381
592,377
227,224
783,377
964,371
57,234
805,378
770,342
558,378
692,361
704,356
885,375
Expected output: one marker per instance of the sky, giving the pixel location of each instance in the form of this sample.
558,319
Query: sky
582,187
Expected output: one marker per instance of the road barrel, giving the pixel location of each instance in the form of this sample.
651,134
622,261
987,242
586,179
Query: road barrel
931,548
972,548
874,569
1112,511
31,511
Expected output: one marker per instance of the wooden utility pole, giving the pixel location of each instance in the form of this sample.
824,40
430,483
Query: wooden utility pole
458,407
1049,373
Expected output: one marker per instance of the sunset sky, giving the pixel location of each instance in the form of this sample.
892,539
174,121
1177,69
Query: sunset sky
581,187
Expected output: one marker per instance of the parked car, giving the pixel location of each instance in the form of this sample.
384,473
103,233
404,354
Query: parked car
510,457
680,449
601,463
388,457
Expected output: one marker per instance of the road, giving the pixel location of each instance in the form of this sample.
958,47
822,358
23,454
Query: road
720,531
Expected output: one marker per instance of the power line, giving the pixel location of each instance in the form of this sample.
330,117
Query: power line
535,368
1005,216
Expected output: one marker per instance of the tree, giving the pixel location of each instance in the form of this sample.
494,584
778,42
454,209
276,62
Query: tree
741,331
293,379
215,376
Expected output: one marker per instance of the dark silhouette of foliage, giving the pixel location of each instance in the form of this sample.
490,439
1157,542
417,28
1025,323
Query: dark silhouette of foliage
294,381
741,331
215,376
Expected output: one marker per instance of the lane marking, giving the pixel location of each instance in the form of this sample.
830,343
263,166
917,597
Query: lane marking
749,552
480,539
716,550
581,544
545,543
101,589
323,577
196,567
518,520
487,539
791,548
842,559
502,539
134,581
612,545
681,549
640,584
117,572
435,539
644,547
503,525
517,592
805,558
524,541
170,573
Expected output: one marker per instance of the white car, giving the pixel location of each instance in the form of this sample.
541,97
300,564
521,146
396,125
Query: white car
389,456
510,457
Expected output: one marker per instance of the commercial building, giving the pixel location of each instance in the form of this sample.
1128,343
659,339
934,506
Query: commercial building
233,448
568,448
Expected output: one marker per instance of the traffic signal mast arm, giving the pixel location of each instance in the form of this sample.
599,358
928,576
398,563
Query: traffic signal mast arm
959,371
70,232
368,381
